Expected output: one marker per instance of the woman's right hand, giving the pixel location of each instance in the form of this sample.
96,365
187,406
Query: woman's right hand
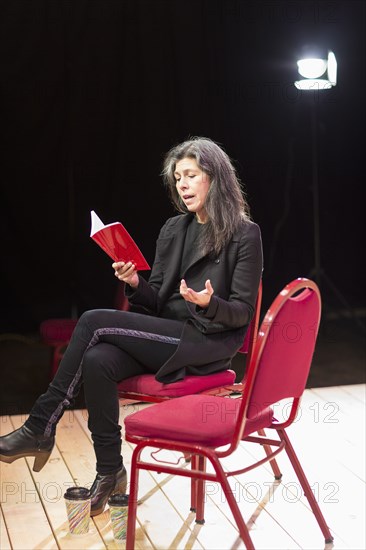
127,273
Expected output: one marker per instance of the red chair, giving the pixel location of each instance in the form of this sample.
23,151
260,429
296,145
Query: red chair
145,388
211,428
56,333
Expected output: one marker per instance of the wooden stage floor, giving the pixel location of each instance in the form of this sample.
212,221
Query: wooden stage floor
329,438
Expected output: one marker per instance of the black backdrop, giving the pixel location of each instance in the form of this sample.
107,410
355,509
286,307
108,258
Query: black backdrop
93,93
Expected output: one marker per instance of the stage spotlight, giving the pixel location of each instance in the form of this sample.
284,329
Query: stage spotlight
317,73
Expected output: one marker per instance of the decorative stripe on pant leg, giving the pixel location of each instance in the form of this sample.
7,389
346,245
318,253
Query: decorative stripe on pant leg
95,339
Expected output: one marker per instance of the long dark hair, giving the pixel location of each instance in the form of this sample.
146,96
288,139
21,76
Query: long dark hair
225,204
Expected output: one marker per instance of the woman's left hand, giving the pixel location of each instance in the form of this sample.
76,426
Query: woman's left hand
202,298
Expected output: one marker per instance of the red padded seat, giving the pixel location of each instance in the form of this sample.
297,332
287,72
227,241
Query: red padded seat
203,419
146,384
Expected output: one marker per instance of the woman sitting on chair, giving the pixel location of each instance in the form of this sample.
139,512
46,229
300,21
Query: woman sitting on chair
199,301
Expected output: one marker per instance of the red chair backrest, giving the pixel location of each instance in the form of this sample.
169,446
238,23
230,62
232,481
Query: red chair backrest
252,332
282,355
120,300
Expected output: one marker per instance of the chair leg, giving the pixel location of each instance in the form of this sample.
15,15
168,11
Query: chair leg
194,466
132,502
276,471
200,497
306,486
243,529
198,489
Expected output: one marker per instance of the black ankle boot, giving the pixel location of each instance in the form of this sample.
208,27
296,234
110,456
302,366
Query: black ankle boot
24,442
105,486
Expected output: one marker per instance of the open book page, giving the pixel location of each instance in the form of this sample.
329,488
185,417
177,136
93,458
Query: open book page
115,240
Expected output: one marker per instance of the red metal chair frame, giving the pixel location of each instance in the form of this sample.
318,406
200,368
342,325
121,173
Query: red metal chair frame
263,364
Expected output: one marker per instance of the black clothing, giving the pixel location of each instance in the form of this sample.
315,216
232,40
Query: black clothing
210,337
176,306
108,345
101,353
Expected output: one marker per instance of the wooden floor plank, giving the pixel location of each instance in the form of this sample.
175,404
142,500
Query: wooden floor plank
52,481
24,516
335,461
341,420
257,495
4,537
319,453
323,458
357,391
33,513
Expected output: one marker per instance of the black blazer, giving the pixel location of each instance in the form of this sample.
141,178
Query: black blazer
211,337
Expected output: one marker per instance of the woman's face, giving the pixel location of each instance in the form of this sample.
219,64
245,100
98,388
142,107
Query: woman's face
192,185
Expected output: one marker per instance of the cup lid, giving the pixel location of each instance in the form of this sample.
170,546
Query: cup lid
118,499
77,493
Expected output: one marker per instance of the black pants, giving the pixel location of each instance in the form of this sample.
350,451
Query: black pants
106,347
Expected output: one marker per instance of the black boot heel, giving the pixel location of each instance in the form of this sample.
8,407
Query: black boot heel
40,460
121,487
105,486
24,442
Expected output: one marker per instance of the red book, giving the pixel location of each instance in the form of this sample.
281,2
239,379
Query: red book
116,242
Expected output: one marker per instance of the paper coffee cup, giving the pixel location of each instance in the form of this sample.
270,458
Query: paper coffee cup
77,501
118,509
